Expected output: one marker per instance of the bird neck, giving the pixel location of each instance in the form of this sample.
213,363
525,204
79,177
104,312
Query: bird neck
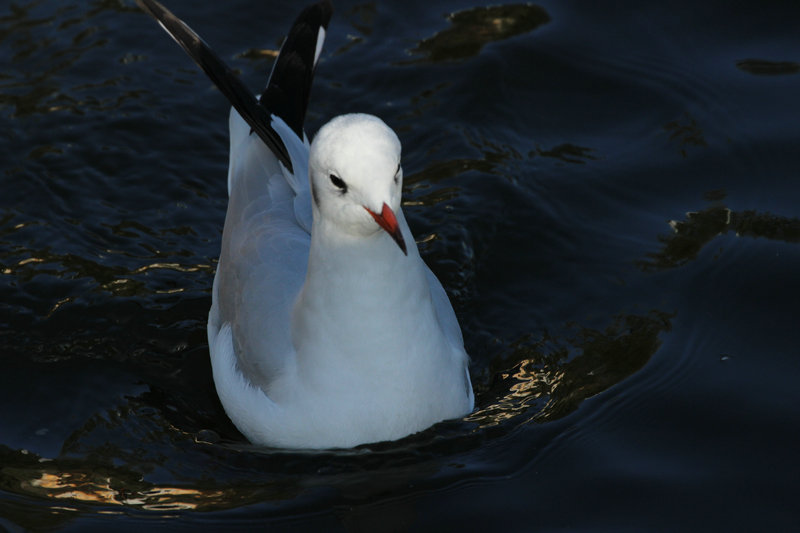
358,288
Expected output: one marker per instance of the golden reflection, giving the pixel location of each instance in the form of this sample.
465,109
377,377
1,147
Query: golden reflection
30,260
172,266
528,384
549,382
174,499
75,487
427,238
258,53
116,279
471,29
84,487
170,291
22,263
58,305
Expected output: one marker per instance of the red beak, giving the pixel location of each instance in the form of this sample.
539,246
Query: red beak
388,222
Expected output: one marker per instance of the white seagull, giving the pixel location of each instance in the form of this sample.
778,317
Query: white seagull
326,329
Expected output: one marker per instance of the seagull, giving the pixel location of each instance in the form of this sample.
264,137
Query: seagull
326,328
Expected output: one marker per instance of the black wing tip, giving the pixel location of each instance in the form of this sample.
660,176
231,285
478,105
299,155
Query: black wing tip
318,14
289,87
156,10
148,5
223,77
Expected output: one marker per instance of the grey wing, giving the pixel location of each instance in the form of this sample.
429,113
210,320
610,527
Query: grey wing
263,259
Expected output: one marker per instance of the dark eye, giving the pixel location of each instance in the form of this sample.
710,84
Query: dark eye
338,183
397,173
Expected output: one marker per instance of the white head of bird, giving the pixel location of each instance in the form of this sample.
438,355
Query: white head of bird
356,177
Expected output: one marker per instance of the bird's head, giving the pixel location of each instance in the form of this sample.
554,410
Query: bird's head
356,177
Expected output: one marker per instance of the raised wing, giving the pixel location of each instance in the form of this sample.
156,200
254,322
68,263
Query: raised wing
223,77
289,86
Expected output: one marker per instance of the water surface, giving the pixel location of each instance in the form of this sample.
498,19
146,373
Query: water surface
609,194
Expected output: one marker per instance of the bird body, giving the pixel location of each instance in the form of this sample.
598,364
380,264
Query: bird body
326,328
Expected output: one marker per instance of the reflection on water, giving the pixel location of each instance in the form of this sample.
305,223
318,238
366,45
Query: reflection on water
474,28
112,204
32,85
568,153
494,160
686,132
70,484
542,380
764,67
691,235
119,280
551,377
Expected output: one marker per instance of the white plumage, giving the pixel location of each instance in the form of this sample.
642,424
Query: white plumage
333,338
326,327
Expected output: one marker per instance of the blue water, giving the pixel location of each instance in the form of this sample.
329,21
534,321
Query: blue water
609,194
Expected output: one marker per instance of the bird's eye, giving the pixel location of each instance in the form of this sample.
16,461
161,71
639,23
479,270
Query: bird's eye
397,174
338,183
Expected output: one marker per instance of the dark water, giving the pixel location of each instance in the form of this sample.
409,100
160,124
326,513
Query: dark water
609,194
